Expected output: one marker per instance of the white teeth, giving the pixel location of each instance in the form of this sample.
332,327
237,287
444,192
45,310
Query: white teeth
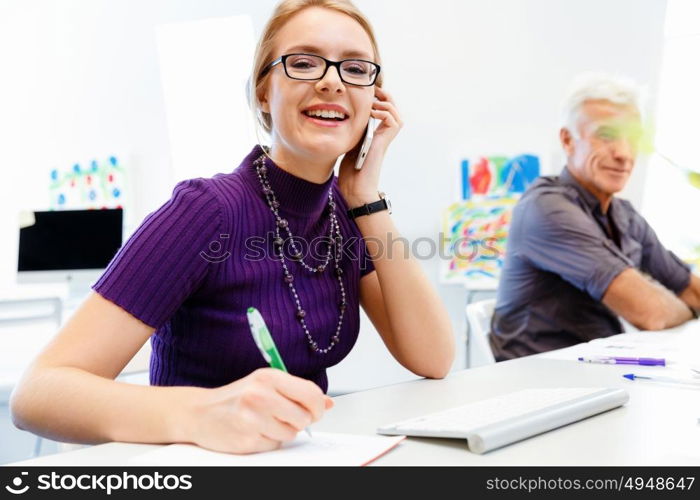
326,113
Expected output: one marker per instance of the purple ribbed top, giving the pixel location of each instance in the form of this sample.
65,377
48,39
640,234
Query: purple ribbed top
191,270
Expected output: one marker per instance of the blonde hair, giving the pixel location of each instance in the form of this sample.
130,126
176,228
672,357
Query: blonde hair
284,11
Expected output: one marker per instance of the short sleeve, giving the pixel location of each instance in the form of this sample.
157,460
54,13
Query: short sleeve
558,237
160,265
661,264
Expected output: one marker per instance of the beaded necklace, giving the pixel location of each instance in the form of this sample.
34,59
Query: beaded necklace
335,242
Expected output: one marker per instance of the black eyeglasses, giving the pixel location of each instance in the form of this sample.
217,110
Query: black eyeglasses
312,67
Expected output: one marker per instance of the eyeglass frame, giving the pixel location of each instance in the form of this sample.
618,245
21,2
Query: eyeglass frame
283,59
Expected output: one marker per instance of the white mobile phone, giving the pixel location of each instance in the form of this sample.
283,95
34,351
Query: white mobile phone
366,143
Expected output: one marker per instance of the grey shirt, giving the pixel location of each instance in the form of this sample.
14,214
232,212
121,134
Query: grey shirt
561,256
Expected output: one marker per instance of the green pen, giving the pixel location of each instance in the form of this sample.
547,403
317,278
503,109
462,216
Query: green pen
267,347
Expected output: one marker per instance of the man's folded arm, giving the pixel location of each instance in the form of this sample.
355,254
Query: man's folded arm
559,238
645,303
691,295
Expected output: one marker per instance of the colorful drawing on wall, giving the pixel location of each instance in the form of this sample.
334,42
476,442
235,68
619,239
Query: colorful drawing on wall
95,184
498,175
475,229
474,240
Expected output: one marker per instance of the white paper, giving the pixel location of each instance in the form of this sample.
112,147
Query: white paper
322,449
679,346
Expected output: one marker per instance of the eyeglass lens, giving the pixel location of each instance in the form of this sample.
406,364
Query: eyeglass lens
310,67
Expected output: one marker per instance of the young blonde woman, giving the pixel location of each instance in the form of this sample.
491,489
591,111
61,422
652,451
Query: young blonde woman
187,276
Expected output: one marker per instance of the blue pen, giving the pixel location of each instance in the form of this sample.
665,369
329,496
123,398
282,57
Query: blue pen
667,380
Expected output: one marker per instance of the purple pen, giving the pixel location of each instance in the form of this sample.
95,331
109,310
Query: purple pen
615,360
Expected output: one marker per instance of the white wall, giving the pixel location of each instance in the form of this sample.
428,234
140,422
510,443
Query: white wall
84,79
677,112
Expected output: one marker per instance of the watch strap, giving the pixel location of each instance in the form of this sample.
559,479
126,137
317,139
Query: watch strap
368,209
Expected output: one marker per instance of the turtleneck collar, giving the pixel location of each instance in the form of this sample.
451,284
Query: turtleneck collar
295,195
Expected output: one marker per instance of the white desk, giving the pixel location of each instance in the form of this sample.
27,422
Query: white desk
659,425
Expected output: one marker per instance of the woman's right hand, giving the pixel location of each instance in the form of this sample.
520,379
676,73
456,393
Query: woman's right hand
256,413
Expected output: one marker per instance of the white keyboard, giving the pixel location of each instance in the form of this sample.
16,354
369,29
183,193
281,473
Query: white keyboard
502,420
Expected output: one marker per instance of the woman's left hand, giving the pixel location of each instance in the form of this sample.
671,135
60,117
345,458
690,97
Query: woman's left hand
361,186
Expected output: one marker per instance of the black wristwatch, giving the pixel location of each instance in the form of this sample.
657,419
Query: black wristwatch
371,208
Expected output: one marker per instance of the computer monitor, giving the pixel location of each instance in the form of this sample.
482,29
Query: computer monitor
67,245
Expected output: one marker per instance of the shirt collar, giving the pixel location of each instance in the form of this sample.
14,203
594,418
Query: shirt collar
616,209
589,198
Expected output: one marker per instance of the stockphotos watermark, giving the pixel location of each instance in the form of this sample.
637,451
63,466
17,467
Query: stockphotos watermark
107,483
257,248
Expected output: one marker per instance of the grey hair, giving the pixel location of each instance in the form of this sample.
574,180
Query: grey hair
617,89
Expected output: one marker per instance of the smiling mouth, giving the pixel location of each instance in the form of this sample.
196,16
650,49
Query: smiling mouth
616,170
326,115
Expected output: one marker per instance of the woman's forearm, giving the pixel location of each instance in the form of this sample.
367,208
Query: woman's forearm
419,321
71,405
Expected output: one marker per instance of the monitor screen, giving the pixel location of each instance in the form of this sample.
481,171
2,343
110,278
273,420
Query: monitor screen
69,239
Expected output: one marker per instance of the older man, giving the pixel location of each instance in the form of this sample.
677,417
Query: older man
578,257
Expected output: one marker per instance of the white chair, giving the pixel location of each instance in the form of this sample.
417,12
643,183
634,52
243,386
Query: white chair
479,316
29,318
26,325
